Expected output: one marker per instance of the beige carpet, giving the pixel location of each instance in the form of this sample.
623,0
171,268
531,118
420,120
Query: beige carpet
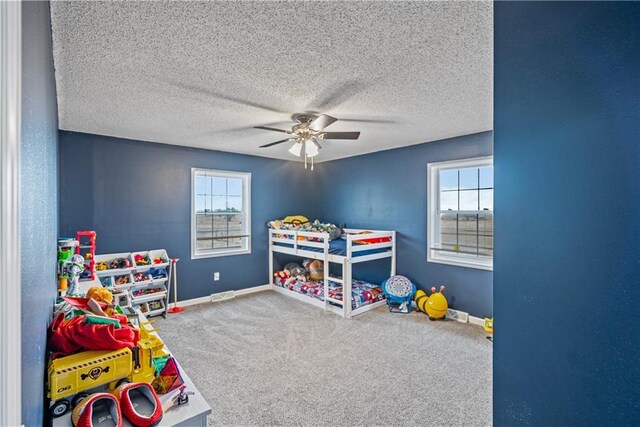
266,359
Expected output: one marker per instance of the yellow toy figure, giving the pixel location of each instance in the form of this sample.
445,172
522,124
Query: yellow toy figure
435,306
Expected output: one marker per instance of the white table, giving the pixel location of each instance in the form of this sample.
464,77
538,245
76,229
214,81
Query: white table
194,413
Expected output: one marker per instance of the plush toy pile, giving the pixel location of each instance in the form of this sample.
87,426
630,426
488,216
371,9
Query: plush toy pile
301,223
309,270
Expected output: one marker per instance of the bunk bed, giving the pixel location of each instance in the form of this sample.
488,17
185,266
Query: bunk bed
332,293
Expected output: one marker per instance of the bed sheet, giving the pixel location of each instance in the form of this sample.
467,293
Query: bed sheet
336,247
362,294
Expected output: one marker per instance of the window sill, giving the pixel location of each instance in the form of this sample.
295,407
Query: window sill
221,253
488,266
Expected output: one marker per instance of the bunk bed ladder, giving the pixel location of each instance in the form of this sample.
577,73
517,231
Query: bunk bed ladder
347,280
326,271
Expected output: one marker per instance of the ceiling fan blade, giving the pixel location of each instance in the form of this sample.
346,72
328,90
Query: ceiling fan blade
341,135
383,121
332,97
273,129
204,91
321,122
275,143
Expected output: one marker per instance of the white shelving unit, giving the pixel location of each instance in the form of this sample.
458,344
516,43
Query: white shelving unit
133,283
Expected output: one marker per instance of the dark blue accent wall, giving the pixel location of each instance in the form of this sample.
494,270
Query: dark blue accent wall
387,190
136,196
38,210
567,175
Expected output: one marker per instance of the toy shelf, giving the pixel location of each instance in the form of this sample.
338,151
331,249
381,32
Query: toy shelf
139,265
148,297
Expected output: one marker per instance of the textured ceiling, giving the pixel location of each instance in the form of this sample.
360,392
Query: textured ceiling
202,74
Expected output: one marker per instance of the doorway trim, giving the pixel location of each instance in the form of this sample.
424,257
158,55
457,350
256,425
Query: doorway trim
10,294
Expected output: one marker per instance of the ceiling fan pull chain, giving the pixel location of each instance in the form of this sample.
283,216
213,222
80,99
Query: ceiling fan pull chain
312,163
305,160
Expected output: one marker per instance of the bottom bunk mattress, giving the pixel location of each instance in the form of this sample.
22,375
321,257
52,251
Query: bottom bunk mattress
362,293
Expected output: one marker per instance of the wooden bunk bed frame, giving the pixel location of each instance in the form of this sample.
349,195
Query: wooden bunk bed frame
296,248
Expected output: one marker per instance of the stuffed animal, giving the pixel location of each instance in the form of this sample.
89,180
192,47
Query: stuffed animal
294,269
315,269
435,305
296,220
282,274
102,295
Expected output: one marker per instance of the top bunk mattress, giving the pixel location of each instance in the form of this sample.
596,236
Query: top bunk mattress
336,247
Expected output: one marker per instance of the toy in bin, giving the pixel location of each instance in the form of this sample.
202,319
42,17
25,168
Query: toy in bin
398,291
435,305
141,260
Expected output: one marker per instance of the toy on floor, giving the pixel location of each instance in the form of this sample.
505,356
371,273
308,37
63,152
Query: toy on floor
174,273
399,293
488,327
435,306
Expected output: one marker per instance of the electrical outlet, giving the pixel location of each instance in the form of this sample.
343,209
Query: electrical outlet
216,276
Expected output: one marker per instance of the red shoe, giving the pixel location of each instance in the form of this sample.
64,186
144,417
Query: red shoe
139,403
98,409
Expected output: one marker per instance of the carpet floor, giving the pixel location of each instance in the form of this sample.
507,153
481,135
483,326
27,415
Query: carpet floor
266,359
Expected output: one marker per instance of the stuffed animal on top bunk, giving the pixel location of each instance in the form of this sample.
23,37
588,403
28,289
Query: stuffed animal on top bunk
334,231
301,223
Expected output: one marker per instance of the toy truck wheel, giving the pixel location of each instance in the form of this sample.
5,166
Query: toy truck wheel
77,398
60,408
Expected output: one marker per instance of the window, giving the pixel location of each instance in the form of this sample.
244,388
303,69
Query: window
461,213
220,213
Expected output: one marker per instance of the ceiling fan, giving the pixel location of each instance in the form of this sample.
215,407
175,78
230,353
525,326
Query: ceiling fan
307,134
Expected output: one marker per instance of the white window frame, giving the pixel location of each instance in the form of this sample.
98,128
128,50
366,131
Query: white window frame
246,209
433,228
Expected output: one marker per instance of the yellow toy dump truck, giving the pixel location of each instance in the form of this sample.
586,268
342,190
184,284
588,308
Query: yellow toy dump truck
70,378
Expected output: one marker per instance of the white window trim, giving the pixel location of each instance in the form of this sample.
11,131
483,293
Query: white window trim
246,208
433,199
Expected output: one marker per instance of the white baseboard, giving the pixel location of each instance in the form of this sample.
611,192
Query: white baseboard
222,296
193,301
476,321
253,289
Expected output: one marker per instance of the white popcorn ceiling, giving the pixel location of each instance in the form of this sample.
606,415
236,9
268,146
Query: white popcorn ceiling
202,74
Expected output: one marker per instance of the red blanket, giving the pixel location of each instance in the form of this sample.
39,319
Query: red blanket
74,335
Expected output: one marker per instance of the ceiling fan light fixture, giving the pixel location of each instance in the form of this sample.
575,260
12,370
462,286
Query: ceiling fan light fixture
296,149
311,150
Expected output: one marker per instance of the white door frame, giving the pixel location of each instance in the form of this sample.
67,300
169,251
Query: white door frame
10,126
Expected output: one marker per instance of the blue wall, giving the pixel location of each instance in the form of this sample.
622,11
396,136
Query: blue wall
567,174
136,195
388,191
39,192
